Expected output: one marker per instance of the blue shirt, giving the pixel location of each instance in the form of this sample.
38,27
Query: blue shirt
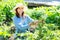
22,24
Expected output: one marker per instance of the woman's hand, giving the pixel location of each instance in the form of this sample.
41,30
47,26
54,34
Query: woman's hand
34,23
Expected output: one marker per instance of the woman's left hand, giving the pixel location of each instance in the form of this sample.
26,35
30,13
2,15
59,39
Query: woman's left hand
34,23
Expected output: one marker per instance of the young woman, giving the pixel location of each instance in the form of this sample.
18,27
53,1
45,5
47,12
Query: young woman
21,20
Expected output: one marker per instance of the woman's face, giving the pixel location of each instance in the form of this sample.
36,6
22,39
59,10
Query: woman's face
20,10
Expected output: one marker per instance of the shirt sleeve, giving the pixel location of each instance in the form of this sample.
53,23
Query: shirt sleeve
30,19
23,25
